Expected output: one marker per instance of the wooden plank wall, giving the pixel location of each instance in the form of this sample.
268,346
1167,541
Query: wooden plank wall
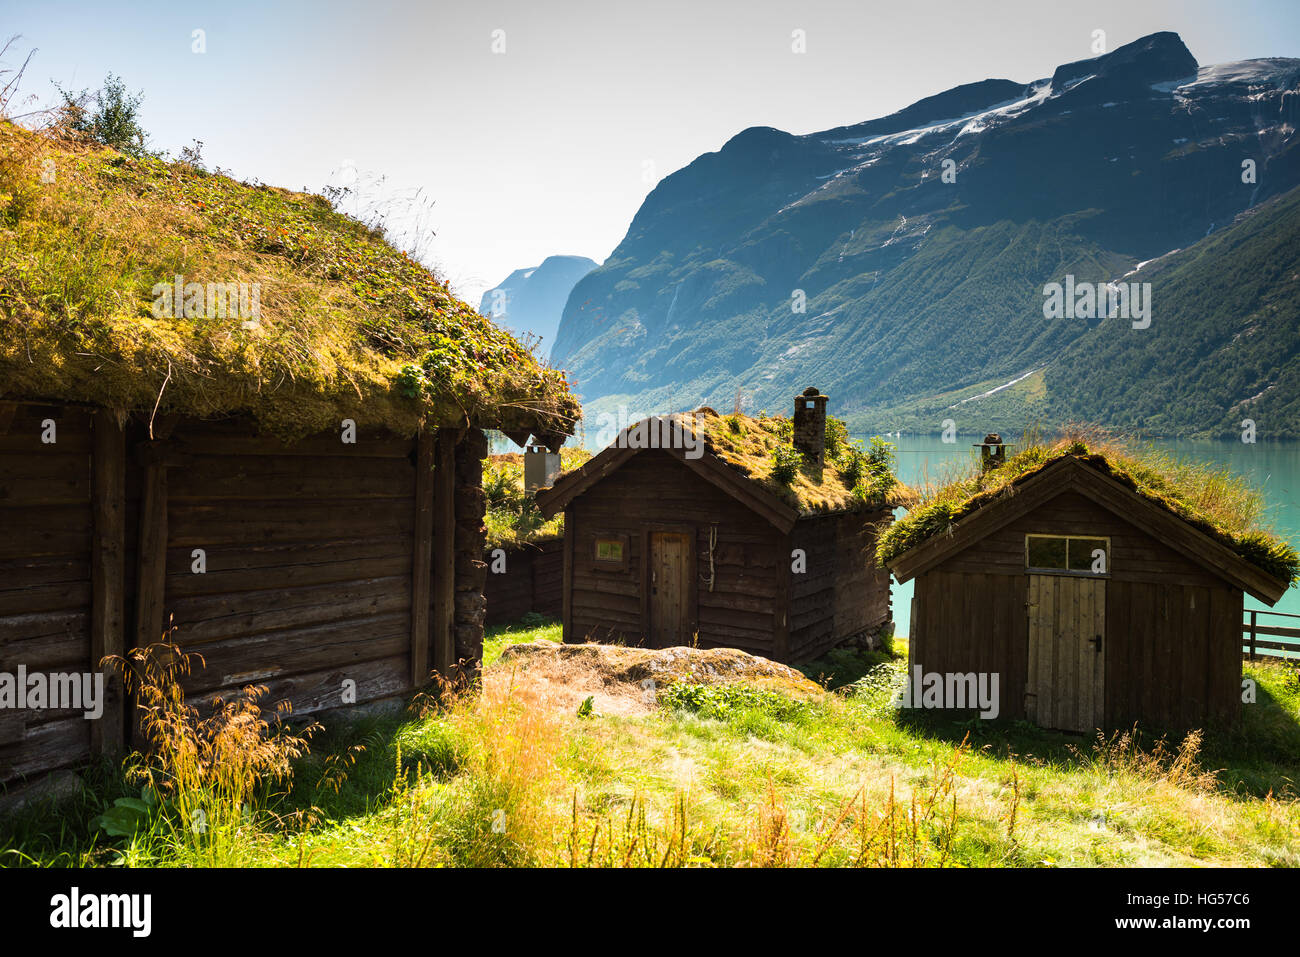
46,533
309,552
844,592
1173,630
1135,556
1173,660
469,539
531,582
320,563
973,621
548,579
655,487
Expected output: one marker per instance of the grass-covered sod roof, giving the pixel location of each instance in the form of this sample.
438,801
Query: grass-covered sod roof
759,447
348,325
1213,499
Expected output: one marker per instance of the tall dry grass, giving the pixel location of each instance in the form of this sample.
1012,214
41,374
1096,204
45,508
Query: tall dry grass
915,831
1123,753
210,772
506,807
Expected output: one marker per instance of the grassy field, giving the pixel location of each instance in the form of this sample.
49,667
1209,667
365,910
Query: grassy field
723,775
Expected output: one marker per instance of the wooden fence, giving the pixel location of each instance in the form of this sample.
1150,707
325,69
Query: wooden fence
1261,623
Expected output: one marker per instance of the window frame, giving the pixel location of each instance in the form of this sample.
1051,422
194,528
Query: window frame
1072,572
608,564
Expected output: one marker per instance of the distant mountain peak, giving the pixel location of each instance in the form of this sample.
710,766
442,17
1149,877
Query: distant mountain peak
1151,59
917,245
960,101
531,300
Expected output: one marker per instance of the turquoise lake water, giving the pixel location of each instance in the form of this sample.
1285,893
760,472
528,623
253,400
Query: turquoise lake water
1273,467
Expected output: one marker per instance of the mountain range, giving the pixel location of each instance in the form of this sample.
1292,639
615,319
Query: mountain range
901,265
530,301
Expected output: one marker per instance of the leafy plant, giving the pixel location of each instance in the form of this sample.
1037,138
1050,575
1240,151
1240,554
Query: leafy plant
109,115
786,463
727,701
209,775
128,816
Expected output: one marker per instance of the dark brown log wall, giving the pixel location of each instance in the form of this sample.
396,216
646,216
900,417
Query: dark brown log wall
844,592
309,557
531,582
743,564
45,577
309,550
471,533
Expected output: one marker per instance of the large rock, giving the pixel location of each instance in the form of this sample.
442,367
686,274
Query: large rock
624,680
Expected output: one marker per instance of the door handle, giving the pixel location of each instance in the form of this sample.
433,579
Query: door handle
1096,643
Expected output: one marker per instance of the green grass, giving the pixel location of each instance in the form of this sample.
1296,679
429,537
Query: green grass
731,775
532,627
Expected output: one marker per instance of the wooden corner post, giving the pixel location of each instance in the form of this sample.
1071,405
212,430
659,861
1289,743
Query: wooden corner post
444,551
566,580
152,559
422,563
151,548
108,572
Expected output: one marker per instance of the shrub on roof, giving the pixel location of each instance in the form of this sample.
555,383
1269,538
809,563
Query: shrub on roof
786,463
759,448
109,115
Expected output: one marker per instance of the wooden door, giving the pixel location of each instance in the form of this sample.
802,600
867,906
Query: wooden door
1067,652
669,588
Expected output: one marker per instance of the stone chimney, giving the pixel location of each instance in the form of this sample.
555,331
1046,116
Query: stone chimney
993,452
809,436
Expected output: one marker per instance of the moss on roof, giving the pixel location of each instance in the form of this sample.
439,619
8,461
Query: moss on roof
349,326
1214,500
853,479
750,446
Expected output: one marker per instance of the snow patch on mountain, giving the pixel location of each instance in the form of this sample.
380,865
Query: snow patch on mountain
1277,72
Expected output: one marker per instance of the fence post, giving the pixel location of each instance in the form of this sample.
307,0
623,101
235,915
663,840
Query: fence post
1252,635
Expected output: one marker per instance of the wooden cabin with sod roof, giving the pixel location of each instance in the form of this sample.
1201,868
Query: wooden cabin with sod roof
1090,588
679,533
255,425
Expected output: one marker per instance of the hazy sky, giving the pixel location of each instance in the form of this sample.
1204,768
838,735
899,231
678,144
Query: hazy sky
550,146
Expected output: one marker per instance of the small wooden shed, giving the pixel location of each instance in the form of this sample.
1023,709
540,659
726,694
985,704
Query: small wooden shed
665,545
297,490
1097,605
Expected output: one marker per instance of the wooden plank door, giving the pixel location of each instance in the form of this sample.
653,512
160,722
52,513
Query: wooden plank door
1067,652
669,588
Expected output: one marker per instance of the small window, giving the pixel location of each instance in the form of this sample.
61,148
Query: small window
610,553
1090,555
1067,554
1047,552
